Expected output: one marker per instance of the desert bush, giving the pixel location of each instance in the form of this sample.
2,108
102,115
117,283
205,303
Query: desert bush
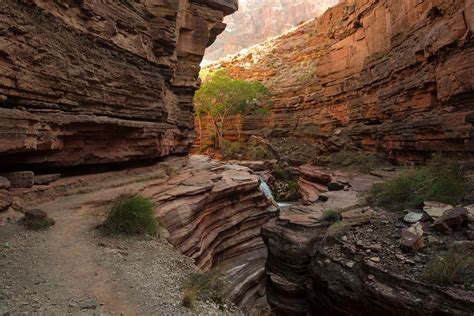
131,215
331,216
354,160
255,151
337,229
454,266
283,173
230,150
203,286
442,183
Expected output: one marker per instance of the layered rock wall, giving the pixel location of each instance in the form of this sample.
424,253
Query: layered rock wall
393,77
92,82
214,213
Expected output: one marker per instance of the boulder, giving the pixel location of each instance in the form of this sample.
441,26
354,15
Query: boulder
20,179
359,216
436,209
412,238
47,178
452,219
4,183
5,200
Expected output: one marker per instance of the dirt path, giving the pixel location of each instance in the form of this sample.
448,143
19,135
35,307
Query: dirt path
73,269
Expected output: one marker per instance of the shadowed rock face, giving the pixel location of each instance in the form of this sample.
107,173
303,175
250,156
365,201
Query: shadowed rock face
89,82
393,77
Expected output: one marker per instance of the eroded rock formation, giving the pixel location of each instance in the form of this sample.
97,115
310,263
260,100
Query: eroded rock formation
214,213
90,82
259,20
390,77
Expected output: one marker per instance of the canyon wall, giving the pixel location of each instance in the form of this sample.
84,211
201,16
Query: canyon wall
259,20
92,82
392,77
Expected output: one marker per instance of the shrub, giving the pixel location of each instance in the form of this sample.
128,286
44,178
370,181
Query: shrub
283,173
331,216
337,229
454,266
131,214
203,286
354,160
256,151
444,184
230,150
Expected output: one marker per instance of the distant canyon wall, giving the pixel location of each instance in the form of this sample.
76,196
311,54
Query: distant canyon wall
390,77
91,82
259,20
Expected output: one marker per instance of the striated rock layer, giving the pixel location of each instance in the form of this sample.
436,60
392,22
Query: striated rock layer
259,20
89,82
393,77
214,213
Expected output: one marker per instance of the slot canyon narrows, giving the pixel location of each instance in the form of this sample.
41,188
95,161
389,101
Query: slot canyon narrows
225,157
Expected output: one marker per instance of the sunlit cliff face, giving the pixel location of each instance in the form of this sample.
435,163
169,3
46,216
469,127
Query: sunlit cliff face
258,20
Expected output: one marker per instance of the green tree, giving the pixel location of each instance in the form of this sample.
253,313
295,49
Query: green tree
221,96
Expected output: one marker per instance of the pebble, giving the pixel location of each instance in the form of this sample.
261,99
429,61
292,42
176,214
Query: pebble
375,259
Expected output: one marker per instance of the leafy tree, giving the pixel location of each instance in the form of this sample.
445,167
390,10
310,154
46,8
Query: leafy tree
220,96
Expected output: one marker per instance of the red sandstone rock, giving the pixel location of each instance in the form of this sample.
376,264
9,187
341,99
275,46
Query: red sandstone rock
412,238
20,179
91,82
47,178
6,200
454,219
383,77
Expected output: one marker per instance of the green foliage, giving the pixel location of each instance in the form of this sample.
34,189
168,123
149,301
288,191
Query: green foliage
256,151
131,215
331,216
283,173
442,183
354,160
230,150
203,286
454,266
221,96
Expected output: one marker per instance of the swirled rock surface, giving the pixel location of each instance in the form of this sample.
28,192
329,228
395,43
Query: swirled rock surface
214,213
92,82
389,77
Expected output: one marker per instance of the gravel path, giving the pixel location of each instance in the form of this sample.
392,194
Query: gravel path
73,269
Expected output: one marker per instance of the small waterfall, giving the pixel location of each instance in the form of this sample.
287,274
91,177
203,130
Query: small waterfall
265,188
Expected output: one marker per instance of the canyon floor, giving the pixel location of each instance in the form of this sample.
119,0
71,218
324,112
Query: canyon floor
72,268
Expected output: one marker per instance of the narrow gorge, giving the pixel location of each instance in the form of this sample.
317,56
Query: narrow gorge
338,198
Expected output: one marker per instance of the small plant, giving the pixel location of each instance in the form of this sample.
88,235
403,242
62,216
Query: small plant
337,229
131,215
454,266
256,151
354,160
230,150
283,173
331,216
442,183
203,286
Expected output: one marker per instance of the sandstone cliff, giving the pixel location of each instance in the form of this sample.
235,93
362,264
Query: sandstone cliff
89,82
259,20
393,77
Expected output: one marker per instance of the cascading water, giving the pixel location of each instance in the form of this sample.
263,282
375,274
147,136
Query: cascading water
265,188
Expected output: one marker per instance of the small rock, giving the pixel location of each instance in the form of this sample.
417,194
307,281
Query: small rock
454,219
47,178
335,186
413,217
88,304
350,264
434,241
359,216
37,219
375,259
376,247
4,183
412,238
470,212
436,209
344,238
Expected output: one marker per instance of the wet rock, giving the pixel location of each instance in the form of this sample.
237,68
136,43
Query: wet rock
359,216
6,200
46,178
436,209
4,183
412,238
37,219
452,219
20,179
